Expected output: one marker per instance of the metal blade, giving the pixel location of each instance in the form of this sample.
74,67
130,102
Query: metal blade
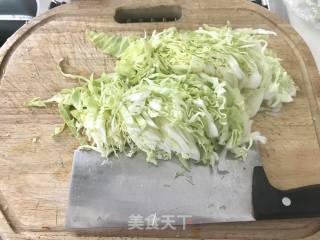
106,195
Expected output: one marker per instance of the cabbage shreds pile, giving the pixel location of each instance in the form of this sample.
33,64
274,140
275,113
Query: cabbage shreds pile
190,94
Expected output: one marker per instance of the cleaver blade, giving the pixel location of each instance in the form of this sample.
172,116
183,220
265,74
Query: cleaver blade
104,194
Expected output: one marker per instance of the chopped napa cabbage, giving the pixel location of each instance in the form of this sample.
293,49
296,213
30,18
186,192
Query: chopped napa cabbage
189,94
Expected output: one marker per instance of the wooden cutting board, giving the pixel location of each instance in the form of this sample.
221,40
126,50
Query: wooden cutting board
35,174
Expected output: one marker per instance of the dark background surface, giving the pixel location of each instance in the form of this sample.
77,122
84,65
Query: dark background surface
14,7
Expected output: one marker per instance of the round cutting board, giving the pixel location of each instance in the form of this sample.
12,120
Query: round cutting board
35,168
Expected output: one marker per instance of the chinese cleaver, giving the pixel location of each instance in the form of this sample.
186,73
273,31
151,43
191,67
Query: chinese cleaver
105,194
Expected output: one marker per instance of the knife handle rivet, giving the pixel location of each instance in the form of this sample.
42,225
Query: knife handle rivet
286,201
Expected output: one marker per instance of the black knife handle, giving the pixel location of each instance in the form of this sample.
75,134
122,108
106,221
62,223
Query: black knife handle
271,203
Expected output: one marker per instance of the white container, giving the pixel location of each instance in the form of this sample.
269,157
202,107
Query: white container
308,32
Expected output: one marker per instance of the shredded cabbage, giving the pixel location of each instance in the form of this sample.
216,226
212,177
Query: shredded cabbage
190,94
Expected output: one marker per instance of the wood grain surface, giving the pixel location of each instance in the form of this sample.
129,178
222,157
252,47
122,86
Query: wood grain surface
34,176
